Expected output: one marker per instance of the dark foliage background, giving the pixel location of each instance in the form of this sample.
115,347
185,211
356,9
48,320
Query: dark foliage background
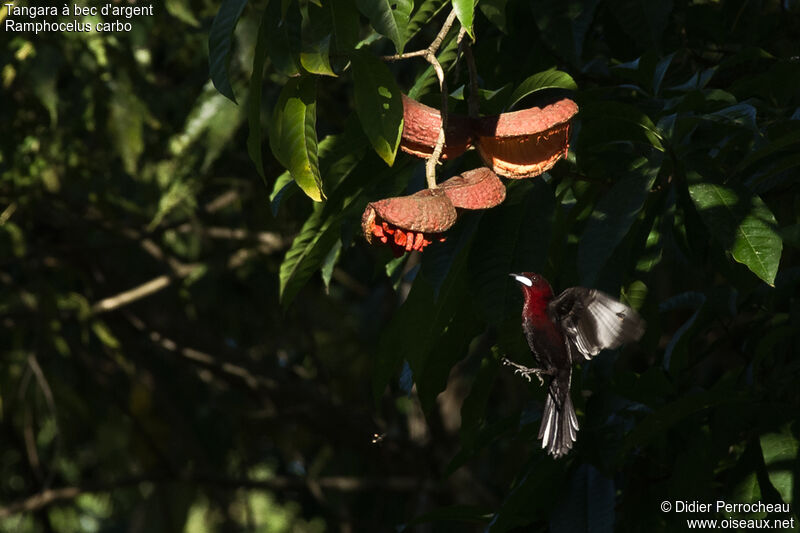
185,348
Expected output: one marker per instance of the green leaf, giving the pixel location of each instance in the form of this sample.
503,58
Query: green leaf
780,454
181,10
495,11
424,13
611,220
603,116
219,44
549,79
126,124
378,104
293,137
389,18
317,29
743,225
283,187
341,159
330,263
309,249
687,300
772,147
254,97
432,334
660,71
465,11
438,260
284,37
44,78
105,334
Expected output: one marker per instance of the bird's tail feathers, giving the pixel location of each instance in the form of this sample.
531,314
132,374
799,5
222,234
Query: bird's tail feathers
559,429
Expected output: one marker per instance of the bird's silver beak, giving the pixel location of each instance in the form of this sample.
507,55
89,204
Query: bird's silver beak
522,279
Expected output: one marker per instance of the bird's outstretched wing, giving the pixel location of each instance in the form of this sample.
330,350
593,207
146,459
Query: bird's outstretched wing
594,321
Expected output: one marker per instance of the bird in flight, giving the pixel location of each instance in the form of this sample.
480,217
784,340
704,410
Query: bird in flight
563,330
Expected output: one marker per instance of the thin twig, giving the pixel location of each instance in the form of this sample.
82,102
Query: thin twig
252,381
432,48
433,159
137,293
272,240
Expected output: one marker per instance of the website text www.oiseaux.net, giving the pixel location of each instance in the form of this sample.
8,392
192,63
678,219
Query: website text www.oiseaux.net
721,507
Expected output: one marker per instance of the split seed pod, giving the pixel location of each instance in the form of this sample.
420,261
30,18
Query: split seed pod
475,189
409,222
526,143
421,125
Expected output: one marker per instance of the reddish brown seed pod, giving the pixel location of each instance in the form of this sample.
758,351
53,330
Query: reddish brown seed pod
421,125
526,143
409,222
475,189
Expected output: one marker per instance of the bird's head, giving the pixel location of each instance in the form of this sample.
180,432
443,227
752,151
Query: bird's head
533,285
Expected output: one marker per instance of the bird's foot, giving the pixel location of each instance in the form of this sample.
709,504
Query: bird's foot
525,371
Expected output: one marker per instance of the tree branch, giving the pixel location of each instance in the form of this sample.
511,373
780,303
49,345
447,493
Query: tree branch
429,54
252,381
137,293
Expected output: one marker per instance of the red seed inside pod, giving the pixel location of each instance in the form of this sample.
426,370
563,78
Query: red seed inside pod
409,222
475,189
526,143
421,125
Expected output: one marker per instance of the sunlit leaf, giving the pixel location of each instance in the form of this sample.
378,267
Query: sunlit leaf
465,11
743,225
317,28
780,456
293,136
389,18
549,79
378,104
423,14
